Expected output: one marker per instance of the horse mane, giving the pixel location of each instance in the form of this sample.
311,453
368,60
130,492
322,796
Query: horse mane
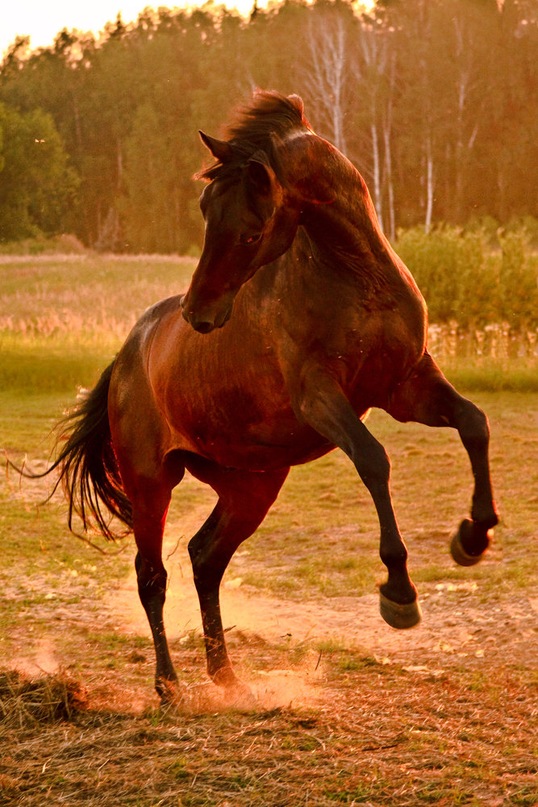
270,114
259,127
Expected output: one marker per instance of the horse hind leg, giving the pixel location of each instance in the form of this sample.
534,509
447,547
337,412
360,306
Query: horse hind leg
244,499
149,516
474,535
427,397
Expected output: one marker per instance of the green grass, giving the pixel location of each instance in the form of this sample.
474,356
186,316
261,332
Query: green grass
492,375
63,320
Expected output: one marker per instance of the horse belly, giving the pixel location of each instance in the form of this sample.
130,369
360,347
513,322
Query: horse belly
236,430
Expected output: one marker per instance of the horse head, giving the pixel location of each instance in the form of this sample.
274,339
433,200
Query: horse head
249,223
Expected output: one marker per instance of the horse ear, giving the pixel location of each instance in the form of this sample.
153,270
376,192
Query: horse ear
297,102
261,176
220,149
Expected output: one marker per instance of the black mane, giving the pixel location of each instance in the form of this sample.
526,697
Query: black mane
259,127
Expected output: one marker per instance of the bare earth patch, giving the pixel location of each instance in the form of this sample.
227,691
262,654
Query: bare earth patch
346,710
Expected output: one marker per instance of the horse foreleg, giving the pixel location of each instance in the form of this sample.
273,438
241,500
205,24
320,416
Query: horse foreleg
325,408
244,499
427,397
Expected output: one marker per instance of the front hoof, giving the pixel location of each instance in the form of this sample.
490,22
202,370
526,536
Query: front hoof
457,550
399,616
169,691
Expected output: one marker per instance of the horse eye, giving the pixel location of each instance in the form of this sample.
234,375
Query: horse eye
247,239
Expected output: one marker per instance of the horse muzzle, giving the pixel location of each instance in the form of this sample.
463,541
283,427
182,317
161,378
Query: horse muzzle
205,319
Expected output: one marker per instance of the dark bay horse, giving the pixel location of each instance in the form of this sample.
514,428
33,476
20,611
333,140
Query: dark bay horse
299,318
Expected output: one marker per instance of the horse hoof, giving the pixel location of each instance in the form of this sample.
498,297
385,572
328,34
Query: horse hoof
459,554
240,697
399,616
170,692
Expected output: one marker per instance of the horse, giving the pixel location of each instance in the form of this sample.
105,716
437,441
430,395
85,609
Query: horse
299,318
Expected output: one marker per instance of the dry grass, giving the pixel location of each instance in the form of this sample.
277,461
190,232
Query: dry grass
378,734
25,702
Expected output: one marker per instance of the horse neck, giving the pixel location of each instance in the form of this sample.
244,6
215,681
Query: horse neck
338,214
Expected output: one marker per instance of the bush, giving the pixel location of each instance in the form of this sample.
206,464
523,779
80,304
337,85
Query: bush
464,279
518,280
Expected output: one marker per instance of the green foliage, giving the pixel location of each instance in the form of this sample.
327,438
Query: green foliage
404,99
36,185
464,279
518,280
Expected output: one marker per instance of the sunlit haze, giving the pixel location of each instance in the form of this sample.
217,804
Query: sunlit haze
41,21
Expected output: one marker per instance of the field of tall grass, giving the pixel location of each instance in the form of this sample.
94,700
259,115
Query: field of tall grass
62,319
482,292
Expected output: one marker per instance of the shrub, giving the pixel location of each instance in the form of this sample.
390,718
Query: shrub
466,280
518,303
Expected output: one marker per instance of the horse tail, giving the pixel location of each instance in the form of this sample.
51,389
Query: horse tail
89,472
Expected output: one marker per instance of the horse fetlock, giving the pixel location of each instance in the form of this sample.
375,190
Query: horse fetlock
167,688
485,520
223,676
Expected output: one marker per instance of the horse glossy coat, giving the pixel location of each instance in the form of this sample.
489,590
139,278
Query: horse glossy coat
298,319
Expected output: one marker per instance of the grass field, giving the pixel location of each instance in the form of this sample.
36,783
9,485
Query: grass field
348,711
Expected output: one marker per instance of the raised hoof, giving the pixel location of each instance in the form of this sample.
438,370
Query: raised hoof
459,554
397,615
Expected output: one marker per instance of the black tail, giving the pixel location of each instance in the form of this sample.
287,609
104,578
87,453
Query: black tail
89,471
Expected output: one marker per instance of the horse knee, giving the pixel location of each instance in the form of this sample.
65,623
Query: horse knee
374,467
473,427
394,555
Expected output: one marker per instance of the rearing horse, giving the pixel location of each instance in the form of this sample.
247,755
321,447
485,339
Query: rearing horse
298,319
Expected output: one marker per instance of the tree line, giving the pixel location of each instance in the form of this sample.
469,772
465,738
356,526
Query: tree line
435,102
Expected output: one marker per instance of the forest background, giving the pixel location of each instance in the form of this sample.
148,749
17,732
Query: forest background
435,102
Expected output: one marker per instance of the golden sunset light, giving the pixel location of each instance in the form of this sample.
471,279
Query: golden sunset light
42,21
268,402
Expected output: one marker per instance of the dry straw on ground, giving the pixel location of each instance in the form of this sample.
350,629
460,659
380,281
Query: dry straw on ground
376,734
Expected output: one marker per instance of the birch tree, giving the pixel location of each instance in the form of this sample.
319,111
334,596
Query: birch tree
372,78
326,66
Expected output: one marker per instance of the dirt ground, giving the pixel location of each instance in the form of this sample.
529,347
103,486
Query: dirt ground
458,626
345,710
